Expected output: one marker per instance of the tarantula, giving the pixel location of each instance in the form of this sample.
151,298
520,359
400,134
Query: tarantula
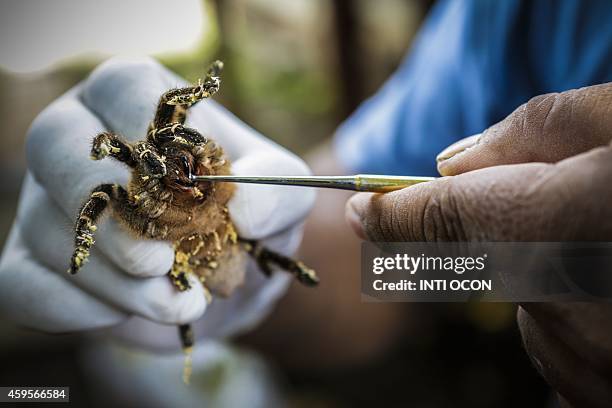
162,202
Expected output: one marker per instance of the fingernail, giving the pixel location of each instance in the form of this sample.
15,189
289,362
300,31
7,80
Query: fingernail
457,147
353,217
538,364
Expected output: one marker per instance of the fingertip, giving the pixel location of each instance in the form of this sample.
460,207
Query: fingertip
446,168
458,147
356,206
193,304
285,242
135,257
168,305
448,159
359,202
123,92
149,259
116,72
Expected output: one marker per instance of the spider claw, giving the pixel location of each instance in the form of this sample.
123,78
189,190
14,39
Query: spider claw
306,275
214,70
100,151
80,258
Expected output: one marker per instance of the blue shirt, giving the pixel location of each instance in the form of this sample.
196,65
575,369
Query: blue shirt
471,65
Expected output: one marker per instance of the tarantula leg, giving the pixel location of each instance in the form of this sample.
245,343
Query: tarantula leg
187,341
176,133
180,269
266,258
111,144
173,104
204,88
86,223
178,277
153,164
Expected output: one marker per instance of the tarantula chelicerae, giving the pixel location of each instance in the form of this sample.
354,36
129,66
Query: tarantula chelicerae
162,202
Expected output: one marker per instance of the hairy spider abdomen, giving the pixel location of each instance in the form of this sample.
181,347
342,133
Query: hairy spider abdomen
193,216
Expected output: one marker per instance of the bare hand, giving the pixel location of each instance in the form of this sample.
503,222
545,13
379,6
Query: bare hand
542,174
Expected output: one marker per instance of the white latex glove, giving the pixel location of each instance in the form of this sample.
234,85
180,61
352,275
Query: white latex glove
125,277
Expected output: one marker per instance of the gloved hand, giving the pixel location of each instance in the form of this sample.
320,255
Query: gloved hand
125,277
542,174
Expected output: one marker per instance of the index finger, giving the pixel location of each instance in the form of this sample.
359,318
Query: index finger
548,128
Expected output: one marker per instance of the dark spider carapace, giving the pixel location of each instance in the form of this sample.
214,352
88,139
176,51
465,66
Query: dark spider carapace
161,202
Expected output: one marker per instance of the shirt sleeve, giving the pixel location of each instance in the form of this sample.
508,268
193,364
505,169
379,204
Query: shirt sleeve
470,66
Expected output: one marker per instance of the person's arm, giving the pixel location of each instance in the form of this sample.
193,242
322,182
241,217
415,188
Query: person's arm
470,66
542,174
